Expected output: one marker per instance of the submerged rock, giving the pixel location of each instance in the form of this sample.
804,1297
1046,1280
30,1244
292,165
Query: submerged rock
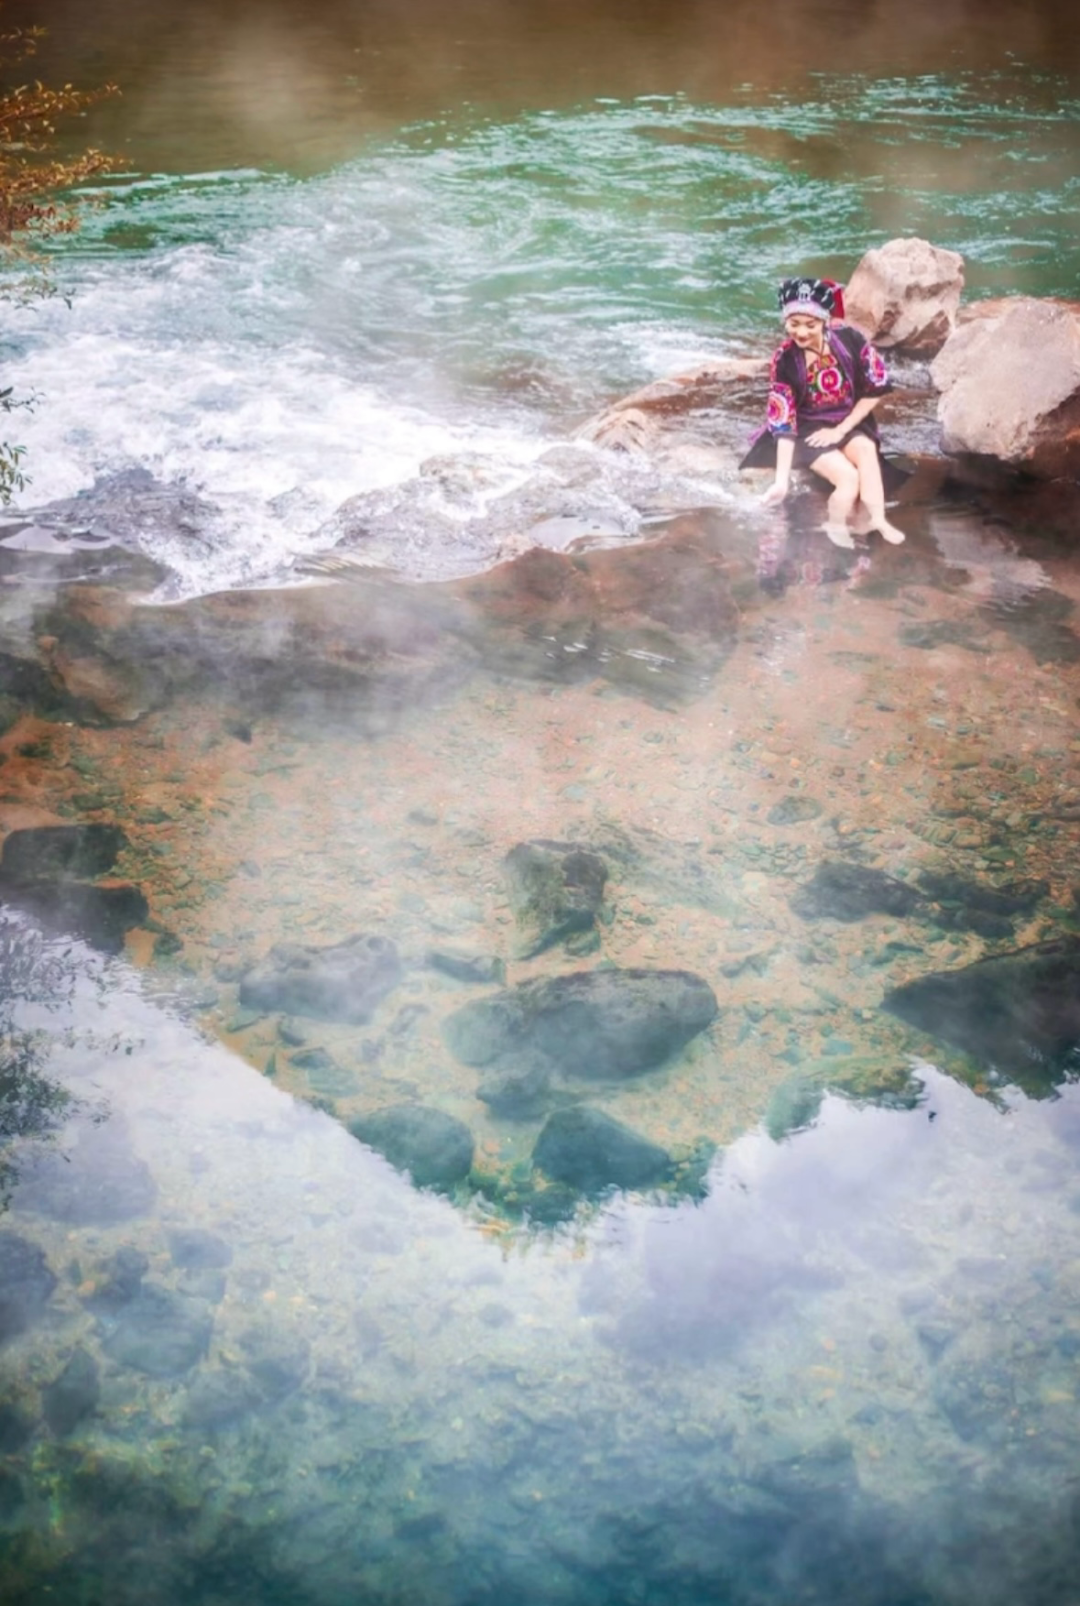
590,1151
344,982
196,1249
795,809
26,1284
73,1395
974,906
435,1148
478,969
586,1026
863,1079
118,1279
55,851
1019,1012
99,915
16,1428
158,1332
841,891
555,889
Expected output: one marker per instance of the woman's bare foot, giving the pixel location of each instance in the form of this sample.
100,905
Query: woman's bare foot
839,534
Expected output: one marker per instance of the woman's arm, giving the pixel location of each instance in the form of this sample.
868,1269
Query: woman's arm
785,451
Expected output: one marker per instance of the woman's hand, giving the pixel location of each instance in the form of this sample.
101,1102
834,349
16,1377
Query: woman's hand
775,493
828,437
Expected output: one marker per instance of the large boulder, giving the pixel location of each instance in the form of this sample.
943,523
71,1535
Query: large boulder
1010,388
343,982
905,295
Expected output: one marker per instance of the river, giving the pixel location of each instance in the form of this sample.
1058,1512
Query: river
394,258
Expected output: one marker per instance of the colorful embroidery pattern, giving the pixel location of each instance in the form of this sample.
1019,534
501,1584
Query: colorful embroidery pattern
780,416
877,375
828,384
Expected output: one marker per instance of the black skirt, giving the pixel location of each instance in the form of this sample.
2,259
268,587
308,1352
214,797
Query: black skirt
762,454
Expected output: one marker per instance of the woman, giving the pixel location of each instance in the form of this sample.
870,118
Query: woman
826,381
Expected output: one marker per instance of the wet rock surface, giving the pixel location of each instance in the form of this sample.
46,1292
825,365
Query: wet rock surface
1010,387
1018,1012
435,1149
26,1284
555,889
346,981
590,1151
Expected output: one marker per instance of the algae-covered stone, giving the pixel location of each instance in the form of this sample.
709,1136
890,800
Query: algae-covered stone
343,982
555,889
590,1151
435,1148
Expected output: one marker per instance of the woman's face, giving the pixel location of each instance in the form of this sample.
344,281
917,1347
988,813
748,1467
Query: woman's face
805,330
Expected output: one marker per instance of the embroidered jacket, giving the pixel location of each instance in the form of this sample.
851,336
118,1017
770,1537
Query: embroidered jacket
800,402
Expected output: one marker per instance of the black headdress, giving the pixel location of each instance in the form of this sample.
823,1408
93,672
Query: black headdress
821,298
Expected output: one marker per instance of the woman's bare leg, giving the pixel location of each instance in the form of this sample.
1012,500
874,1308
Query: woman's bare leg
861,451
843,476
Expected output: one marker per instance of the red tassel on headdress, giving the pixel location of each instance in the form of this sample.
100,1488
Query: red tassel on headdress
838,297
